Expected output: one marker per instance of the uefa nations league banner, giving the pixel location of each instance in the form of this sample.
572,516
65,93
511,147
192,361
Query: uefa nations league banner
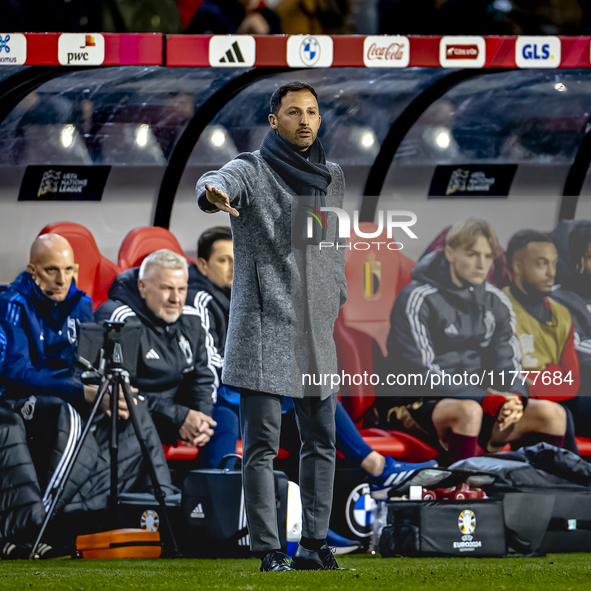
63,183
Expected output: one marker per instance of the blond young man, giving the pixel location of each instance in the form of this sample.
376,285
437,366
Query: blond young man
457,331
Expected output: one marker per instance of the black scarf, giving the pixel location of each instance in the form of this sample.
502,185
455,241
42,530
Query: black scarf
308,178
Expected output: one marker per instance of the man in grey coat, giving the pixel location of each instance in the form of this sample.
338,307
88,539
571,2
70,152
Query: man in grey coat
289,284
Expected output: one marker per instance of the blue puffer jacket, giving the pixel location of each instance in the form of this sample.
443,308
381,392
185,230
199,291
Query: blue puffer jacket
41,338
2,354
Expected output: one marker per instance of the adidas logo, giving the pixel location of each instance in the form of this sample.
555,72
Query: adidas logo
233,57
451,329
151,354
197,513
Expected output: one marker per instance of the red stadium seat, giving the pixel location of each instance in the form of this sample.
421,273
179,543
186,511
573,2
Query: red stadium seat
140,242
185,452
96,272
374,278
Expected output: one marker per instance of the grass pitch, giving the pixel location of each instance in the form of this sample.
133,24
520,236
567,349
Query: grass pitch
556,572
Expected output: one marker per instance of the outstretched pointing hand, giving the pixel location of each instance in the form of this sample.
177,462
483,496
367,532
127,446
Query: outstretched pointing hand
220,200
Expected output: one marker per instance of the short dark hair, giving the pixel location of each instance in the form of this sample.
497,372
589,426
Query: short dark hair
294,86
209,238
578,241
520,240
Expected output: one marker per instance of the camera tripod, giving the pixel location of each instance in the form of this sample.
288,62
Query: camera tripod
116,379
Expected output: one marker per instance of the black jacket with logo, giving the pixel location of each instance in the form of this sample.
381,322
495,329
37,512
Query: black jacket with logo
204,293
437,326
176,367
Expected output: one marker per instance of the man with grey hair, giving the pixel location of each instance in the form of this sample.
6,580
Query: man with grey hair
177,366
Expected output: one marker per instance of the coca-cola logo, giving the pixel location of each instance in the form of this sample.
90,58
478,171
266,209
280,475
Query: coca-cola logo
461,52
393,52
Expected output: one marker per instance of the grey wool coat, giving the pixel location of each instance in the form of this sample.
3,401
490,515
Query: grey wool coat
269,346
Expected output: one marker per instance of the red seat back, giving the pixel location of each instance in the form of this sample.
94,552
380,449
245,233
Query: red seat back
140,242
95,272
374,278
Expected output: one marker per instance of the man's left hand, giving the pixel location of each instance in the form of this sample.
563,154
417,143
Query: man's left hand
511,411
205,428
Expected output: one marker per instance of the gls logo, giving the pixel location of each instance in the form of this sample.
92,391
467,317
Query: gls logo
345,226
81,49
537,52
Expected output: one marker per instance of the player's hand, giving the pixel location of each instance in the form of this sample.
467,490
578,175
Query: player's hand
197,429
122,410
511,411
90,393
220,200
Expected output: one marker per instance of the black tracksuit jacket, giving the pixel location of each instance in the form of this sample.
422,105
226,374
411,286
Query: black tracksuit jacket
176,366
437,326
204,293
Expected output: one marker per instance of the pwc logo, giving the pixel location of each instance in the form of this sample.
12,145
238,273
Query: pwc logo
462,52
81,49
537,52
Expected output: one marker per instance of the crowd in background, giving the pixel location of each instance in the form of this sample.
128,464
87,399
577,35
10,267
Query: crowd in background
365,17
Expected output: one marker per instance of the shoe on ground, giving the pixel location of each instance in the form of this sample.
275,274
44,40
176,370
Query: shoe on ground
276,561
23,551
394,473
322,559
341,544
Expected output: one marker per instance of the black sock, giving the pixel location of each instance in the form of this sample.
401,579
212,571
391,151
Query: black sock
311,544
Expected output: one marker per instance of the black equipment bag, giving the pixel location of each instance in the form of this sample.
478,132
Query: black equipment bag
473,527
546,498
142,511
215,516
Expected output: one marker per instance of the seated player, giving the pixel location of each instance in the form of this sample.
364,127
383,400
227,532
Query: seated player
210,287
21,514
545,327
40,313
453,345
210,284
575,295
177,364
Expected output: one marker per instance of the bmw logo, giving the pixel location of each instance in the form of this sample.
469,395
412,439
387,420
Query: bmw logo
359,511
310,51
